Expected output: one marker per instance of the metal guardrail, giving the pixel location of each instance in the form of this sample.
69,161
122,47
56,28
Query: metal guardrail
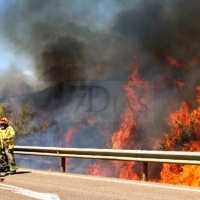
145,156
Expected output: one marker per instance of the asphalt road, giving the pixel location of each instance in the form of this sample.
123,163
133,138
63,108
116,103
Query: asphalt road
34,184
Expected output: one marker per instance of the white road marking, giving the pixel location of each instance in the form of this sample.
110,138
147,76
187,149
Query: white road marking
122,181
30,193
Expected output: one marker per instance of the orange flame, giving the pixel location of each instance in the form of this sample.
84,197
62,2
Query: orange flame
180,84
173,62
125,137
182,124
70,133
44,127
67,142
184,136
198,94
128,130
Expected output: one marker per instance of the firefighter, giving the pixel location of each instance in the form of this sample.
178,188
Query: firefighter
7,135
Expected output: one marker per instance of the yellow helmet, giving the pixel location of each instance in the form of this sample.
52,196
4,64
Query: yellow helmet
4,120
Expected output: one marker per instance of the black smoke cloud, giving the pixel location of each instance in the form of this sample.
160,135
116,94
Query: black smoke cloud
71,41
76,40
63,46
157,29
62,61
161,28
66,43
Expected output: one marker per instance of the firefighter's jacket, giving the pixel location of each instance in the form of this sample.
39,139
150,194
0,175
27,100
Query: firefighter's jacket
8,133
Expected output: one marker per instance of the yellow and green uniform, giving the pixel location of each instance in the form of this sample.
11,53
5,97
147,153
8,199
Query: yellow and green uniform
8,146
8,133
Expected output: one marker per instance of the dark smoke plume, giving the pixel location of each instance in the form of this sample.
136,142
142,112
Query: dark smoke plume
151,30
67,41
62,61
97,40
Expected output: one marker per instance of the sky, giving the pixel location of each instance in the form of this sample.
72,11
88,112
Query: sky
100,13
63,40
26,26
47,42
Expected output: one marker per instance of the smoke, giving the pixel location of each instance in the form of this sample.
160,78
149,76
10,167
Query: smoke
76,41
62,38
62,61
96,40
157,31
161,28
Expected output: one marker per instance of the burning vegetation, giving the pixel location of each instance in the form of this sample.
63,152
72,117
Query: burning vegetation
183,135
66,42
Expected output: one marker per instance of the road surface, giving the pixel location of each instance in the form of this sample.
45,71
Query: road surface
45,185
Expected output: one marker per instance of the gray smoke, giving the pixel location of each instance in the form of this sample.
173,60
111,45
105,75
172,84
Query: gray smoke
72,41
96,40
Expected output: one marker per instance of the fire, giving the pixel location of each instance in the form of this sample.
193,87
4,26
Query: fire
182,123
45,125
173,62
128,171
184,136
117,169
181,174
67,142
137,91
69,135
100,168
198,94
180,84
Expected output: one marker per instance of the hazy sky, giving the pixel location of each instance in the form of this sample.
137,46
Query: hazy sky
94,14
53,41
64,40
27,26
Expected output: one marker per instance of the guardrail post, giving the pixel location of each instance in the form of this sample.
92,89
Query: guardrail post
145,171
62,164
